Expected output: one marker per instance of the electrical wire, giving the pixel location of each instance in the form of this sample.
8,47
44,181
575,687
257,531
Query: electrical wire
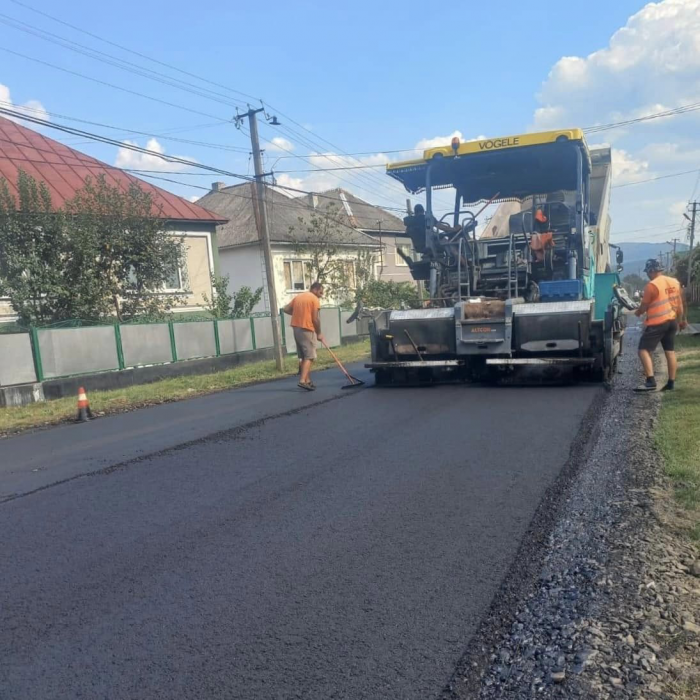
160,77
168,158
653,179
205,144
112,85
658,115
139,70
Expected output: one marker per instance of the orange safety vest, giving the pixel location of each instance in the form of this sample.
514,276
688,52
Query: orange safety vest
667,304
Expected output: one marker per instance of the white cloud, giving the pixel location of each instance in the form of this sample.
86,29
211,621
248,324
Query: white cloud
650,65
628,169
135,160
279,145
32,108
193,198
677,209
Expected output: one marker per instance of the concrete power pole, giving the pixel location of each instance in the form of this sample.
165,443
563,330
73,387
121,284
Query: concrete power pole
694,212
264,231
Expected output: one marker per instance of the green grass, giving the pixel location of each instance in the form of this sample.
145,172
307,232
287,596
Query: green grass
678,434
119,400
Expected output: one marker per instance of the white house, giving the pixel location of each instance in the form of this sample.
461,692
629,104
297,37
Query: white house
240,251
64,171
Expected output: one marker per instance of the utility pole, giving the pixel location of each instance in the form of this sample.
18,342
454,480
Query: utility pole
263,229
694,212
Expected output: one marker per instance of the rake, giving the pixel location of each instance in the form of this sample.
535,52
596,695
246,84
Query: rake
354,381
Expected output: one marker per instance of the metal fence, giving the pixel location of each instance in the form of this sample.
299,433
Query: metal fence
57,352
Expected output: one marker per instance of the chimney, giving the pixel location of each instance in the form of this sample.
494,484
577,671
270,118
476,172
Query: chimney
217,186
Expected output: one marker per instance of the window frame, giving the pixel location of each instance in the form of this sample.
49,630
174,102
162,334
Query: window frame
398,260
305,274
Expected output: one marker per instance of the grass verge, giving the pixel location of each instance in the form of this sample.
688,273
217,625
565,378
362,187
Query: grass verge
678,434
15,419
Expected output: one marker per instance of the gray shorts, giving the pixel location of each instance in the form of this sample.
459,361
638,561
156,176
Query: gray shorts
306,343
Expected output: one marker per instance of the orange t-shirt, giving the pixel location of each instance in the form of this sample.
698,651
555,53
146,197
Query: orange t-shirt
303,307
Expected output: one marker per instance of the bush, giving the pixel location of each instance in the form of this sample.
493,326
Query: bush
390,295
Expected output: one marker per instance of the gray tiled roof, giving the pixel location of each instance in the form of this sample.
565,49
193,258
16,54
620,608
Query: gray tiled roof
236,204
365,216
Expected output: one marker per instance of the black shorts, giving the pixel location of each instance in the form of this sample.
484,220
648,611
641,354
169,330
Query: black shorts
664,333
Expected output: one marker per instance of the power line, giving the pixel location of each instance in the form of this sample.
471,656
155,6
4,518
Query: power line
168,158
653,179
112,85
115,61
160,77
134,68
132,131
658,115
131,51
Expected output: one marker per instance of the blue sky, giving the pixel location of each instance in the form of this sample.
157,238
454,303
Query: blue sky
377,77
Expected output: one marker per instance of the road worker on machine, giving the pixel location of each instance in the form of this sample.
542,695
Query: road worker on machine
662,303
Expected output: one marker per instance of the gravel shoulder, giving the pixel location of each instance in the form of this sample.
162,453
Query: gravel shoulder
610,605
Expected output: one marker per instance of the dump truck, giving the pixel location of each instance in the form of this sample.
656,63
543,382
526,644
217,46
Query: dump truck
535,287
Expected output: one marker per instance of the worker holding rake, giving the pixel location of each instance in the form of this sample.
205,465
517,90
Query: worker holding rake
306,321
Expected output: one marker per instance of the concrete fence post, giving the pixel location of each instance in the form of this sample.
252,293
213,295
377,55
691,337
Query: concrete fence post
36,352
173,347
217,342
284,331
252,331
120,349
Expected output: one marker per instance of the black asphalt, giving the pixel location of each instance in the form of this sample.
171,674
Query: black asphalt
345,548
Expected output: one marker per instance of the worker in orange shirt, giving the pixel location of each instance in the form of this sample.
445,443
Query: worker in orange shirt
305,311
663,304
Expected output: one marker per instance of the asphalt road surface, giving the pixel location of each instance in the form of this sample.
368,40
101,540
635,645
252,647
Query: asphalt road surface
342,544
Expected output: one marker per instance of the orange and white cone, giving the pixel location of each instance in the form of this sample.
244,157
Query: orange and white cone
84,412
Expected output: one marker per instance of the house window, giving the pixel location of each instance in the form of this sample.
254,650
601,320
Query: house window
297,275
174,281
407,250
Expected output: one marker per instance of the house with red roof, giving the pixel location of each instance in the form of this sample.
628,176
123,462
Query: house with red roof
64,170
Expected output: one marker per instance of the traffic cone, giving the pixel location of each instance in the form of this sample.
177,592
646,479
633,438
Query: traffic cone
84,412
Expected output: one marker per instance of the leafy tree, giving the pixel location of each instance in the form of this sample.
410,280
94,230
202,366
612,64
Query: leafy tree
106,254
122,253
219,306
327,241
34,243
244,301
224,304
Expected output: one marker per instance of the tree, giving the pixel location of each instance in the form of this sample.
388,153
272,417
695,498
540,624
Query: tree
328,244
122,253
224,304
33,244
244,301
107,253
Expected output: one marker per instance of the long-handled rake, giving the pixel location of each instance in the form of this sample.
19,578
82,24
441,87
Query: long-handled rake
354,381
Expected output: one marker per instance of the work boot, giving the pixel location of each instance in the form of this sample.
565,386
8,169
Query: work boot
649,385
670,385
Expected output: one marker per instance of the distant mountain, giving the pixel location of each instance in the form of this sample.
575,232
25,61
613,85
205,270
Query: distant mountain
636,255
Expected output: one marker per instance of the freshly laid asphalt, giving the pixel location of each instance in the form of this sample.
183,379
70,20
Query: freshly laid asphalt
269,543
